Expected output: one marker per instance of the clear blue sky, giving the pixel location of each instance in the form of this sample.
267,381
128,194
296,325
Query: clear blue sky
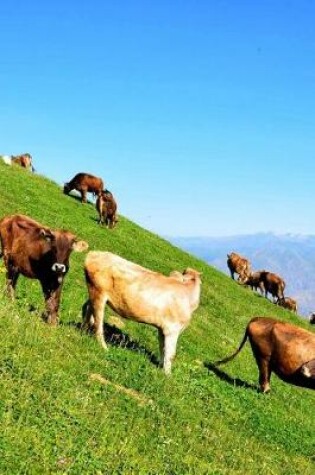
198,115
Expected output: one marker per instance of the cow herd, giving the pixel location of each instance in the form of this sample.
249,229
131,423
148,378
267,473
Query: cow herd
266,282
165,302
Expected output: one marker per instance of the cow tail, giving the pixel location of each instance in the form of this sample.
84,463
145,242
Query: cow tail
231,357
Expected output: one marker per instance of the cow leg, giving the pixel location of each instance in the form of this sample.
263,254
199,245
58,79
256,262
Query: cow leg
95,316
12,277
170,342
88,317
52,301
161,346
83,195
264,375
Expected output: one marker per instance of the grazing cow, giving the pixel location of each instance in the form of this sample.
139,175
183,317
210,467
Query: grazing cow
273,284
289,303
84,183
255,281
239,265
285,349
107,208
37,252
24,160
134,292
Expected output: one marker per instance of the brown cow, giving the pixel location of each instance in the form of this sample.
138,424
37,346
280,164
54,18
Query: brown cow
134,292
289,303
37,252
239,265
84,183
107,208
273,284
24,161
254,280
285,349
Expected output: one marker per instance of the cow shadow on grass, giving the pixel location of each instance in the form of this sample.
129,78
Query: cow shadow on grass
78,198
236,382
115,337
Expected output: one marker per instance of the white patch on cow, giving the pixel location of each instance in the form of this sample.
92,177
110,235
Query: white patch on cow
7,159
306,372
58,268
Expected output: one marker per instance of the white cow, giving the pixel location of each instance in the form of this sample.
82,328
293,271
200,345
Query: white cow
134,292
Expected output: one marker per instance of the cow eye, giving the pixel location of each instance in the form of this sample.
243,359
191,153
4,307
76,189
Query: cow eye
46,235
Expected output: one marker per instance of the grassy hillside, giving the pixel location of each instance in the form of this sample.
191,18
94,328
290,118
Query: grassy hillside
68,407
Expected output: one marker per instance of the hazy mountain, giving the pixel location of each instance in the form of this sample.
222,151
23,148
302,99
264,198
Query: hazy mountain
291,256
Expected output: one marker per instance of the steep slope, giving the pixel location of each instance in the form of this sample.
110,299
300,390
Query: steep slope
66,406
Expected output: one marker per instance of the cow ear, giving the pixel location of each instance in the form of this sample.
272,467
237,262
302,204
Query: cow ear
80,246
47,235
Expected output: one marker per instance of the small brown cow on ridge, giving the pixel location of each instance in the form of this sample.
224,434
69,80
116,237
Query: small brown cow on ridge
273,284
84,183
37,252
24,161
239,265
254,280
107,208
282,348
145,296
289,303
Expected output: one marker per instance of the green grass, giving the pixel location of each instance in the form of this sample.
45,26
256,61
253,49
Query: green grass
57,418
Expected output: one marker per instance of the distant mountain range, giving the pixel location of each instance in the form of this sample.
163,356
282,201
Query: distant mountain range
291,256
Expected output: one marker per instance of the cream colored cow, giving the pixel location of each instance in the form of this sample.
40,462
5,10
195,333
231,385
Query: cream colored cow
142,295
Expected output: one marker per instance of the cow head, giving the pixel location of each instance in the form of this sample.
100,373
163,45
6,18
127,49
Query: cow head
66,188
190,274
57,249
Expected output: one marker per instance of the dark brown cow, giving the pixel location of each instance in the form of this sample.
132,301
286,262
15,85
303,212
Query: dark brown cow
254,280
282,348
107,208
312,319
238,265
289,303
37,252
84,183
24,160
273,284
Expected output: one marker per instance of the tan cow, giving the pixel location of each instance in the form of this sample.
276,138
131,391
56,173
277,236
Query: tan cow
238,265
289,303
145,296
286,349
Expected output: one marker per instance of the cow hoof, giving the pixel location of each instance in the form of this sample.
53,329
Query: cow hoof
265,390
52,321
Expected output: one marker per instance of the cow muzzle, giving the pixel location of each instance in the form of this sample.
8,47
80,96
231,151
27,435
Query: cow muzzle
58,268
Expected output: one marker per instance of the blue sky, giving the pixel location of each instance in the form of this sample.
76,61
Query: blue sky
199,116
